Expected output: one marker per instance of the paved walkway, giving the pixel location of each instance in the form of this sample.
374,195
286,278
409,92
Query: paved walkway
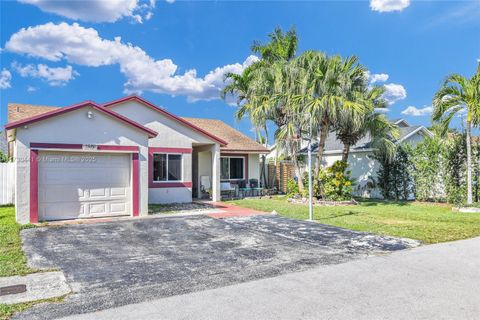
430,282
231,211
36,286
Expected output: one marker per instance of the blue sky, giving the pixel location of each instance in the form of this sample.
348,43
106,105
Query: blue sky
175,52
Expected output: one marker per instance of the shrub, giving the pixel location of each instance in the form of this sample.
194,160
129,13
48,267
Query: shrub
394,176
292,188
332,183
429,162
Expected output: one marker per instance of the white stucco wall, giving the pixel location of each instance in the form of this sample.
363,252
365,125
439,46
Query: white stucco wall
204,166
75,128
171,134
254,166
169,195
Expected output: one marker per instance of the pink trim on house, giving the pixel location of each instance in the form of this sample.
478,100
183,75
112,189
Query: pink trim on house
59,111
34,172
135,177
33,186
243,155
244,151
166,184
170,150
165,113
106,147
76,146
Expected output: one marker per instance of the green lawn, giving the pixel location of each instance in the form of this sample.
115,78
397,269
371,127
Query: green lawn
7,310
427,222
12,259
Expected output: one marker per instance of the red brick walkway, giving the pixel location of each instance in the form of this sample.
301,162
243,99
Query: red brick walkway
230,210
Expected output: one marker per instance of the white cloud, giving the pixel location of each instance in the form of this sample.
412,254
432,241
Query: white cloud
97,10
5,78
416,112
394,92
373,78
84,46
389,5
54,76
31,89
378,77
382,110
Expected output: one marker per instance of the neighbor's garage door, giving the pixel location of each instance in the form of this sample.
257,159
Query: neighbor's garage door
81,185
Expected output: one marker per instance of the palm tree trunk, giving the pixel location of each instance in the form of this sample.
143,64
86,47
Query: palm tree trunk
298,171
345,152
469,163
321,145
263,176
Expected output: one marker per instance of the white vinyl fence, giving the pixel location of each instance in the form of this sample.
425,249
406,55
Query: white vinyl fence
7,183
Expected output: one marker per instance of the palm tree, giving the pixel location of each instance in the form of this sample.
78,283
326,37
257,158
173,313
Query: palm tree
255,87
332,81
459,94
352,126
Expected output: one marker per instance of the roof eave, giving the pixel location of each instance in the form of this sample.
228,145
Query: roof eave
245,151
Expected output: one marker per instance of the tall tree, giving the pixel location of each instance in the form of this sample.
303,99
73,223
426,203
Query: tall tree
352,126
459,94
332,83
257,87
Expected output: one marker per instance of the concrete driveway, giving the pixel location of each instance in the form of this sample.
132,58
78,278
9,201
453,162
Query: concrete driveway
120,263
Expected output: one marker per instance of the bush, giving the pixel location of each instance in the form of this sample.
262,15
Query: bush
395,176
332,183
292,188
429,169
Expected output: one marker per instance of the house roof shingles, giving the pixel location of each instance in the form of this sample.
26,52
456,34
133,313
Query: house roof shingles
20,111
333,144
237,141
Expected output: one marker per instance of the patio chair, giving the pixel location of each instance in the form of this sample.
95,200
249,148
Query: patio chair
205,187
227,190
255,190
242,187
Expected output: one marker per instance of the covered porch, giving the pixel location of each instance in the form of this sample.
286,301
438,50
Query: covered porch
218,174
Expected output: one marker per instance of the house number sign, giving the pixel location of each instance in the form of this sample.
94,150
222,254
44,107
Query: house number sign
90,147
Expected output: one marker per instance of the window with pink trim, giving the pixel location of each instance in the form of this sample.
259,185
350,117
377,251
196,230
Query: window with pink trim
167,167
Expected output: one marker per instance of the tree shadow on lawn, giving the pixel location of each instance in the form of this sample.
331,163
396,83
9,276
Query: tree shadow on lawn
376,202
349,213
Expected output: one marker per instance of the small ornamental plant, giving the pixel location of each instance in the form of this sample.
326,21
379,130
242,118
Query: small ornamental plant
336,182
333,183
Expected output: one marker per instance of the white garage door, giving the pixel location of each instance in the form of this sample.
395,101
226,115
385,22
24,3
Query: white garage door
82,185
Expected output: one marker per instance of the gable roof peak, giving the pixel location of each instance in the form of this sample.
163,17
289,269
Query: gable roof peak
165,113
58,111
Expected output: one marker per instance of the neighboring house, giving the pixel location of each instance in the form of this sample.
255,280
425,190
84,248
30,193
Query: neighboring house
361,160
96,160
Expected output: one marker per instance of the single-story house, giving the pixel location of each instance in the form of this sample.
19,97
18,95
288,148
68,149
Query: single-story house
361,160
95,160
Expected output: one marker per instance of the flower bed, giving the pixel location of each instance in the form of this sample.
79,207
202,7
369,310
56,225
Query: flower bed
317,202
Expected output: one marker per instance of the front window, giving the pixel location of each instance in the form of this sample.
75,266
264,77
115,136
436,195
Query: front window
167,167
232,168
